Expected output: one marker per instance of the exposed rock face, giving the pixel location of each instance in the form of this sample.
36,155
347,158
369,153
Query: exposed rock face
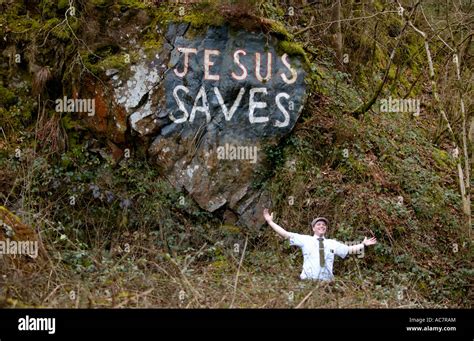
211,103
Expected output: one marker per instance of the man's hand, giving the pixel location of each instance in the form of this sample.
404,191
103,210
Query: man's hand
370,241
278,229
360,247
268,217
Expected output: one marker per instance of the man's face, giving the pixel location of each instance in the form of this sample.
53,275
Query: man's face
319,228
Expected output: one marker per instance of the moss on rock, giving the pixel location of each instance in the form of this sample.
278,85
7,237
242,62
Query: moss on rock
293,49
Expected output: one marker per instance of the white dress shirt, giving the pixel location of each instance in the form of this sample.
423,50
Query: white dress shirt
310,247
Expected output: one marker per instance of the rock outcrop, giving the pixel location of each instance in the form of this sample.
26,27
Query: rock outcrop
210,103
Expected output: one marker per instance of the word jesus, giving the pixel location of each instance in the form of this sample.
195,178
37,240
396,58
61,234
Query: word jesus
201,100
208,63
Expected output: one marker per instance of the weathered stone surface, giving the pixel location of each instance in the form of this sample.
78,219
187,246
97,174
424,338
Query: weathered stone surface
110,119
211,106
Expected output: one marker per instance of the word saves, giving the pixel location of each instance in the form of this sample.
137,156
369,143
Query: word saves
256,94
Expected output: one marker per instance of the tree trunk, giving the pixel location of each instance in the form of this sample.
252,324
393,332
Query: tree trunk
336,29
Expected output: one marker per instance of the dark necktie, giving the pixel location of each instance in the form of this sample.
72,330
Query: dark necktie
322,261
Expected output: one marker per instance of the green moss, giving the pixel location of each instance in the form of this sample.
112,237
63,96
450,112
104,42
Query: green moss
7,97
152,46
379,5
61,32
442,158
205,13
22,24
280,29
49,24
270,9
118,61
163,16
200,19
293,49
355,168
133,4
48,8
392,72
63,4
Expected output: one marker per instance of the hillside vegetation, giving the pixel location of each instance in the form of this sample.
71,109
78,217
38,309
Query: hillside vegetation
114,233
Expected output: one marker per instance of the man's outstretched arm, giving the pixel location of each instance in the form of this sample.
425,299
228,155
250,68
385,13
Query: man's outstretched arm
278,229
356,248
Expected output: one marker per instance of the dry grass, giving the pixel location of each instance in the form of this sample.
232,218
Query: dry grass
126,268
40,78
147,277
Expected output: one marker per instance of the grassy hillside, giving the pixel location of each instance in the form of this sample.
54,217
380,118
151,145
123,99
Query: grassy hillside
116,234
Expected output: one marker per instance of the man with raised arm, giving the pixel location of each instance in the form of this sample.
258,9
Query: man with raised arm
318,251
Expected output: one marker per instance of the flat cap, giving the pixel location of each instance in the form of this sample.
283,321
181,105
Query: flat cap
315,220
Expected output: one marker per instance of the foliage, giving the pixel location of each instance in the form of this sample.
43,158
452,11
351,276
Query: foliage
117,229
